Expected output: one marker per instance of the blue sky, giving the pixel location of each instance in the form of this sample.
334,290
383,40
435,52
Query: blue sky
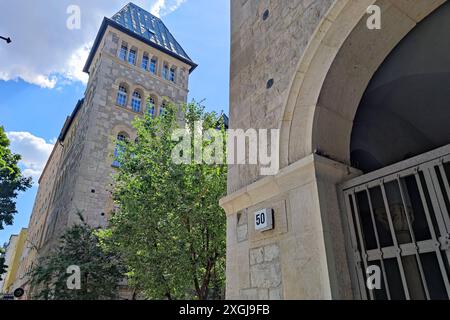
40,84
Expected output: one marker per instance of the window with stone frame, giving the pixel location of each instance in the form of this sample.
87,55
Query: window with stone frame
153,65
123,53
121,99
121,138
172,75
145,60
151,106
136,102
165,72
132,57
162,108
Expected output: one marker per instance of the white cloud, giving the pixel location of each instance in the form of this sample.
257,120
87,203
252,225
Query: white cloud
165,7
34,151
76,63
43,50
157,7
175,5
29,76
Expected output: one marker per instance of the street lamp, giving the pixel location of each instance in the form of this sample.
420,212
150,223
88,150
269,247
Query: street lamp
8,40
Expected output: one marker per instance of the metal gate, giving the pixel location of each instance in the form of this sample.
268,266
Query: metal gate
399,223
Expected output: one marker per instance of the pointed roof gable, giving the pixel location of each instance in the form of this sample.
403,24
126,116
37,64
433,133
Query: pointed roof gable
150,27
142,25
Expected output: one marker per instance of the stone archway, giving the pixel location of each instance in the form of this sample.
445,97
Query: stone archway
331,78
316,259
334,72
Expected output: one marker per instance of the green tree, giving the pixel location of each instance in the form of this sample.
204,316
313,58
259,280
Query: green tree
11,181
169,227
100,271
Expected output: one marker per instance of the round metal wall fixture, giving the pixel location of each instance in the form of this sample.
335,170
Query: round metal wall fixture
19,292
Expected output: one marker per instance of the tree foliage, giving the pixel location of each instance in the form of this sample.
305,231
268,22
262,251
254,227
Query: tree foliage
169,227
11,181
100,271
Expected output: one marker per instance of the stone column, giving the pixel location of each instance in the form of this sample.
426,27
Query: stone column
304,257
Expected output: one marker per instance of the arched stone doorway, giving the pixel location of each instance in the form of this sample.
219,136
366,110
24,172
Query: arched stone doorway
335,71
330,112
317,253
405,109
400,213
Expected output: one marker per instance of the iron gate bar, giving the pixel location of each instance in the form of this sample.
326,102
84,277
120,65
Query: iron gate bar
445,179
394,239
433,235
433,185
409,165
361,240
413,239
438,191
408,249
356,253
440,198
446,182
377,238
443,212
446,158
386,179
427,246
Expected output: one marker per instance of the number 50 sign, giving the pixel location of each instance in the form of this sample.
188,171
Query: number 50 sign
264,220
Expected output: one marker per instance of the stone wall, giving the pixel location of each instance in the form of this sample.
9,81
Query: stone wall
264,49
304,257
265,274
302,66
37,226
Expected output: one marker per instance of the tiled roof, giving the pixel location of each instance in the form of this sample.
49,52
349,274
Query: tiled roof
146,25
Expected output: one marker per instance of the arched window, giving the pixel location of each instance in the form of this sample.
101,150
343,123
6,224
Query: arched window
136,102
123,52
153,65
162,108
165,72
132,57
122,96
151,106
121,137
144,64
172,76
